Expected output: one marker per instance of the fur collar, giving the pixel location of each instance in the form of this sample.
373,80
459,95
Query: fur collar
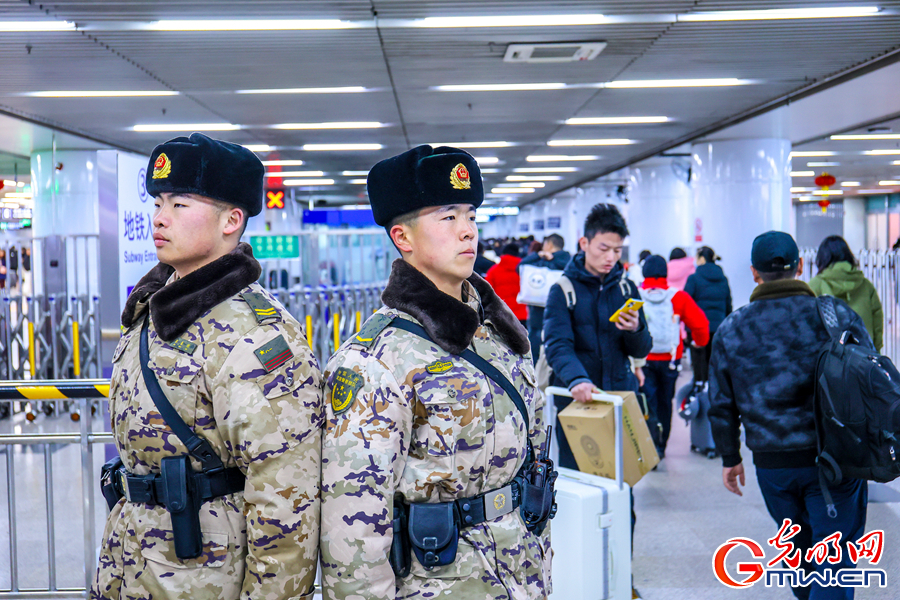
451,323
176,306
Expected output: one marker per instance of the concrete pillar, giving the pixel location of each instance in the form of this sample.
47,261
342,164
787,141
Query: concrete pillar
741,189
660,207
855,223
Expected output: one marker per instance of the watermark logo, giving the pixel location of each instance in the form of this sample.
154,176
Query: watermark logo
825,553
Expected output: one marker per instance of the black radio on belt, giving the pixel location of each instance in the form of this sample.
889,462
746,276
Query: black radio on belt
538,493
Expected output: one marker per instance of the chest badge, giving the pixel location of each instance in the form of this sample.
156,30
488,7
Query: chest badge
459,178
439,366
162,167
344,389
274,354
184,345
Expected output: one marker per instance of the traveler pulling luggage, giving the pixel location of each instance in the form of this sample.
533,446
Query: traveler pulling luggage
693,406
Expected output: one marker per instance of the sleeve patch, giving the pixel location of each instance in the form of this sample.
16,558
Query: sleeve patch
274,354
345,386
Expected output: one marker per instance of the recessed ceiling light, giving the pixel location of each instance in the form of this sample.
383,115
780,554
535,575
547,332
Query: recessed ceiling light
97,94
340,147
896,162
353,89
500,87
867,136
673,83
258,148
510,190
248,24
882,152
828,192
889,182
782,13
354,173
19,195
13,26
358,181
283,163
545,170
283,174
850,184
809,153
795,190
186,127
558,158
512,21
602,142
475,145
489,171
533,177
531,184
615,120
486,160
823,164
307,182
333,125
803,173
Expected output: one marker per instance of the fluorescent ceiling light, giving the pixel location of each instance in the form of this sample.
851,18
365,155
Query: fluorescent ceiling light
545,170
518,190
533,177
531,184
284,174
810,153
339,147
21,195
333,125
558,158
354,173
187,127
615,120
850,184
489,171
602,142
867,136
258,148
796,190
14,26
12,183
308,182
358,181
512,21
782,13
670,83
882,152
352,89
486,160
823,164
803,173
896,162
500,87
97,94
828,193
283,163
885,182
475,144
248,25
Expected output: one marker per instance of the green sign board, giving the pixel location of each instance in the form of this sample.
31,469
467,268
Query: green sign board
275,246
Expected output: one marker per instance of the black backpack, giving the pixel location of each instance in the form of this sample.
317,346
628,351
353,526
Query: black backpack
857,409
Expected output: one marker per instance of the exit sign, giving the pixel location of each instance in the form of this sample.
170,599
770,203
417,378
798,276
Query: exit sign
275,246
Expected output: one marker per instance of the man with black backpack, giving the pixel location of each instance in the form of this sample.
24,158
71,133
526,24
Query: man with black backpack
763,374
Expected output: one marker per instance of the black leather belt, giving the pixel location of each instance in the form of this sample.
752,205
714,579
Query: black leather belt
149,489
488,506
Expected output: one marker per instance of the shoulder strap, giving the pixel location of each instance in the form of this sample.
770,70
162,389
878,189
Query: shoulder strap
829,317
568,291
197,447
481,364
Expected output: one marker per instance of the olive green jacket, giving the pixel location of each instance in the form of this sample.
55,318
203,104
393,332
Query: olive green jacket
843,281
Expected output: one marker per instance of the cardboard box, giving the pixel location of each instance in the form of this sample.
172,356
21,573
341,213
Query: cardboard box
590,430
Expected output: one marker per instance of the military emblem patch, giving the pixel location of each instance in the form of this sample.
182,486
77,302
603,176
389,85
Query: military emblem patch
274,354
439,366
459,177
346,384
183,345
162,167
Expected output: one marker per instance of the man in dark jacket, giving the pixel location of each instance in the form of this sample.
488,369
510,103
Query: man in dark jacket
761,375
482,262
583,348
555,258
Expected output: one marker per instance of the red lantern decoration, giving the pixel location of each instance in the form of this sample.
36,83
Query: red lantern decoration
824,203
824,181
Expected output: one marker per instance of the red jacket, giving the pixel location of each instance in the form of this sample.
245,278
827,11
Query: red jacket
504,278
689,313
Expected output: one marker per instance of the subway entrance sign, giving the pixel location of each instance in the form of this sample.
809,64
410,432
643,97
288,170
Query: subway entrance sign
275,246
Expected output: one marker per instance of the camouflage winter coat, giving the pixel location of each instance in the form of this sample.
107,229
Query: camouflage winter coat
260,410
409,418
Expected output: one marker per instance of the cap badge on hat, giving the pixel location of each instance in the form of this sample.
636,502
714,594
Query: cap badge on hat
459,177
162,167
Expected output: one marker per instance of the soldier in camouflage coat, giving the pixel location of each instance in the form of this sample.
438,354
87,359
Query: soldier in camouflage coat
408,420
235,366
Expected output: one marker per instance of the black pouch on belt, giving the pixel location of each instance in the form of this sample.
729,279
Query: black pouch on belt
434,533
108,488
183,503
401,555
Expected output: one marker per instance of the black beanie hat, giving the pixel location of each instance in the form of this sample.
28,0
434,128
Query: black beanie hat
655,267
423,177
212,168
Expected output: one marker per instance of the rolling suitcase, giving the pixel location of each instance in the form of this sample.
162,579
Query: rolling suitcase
693,406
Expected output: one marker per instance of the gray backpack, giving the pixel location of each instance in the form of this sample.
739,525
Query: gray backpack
542,369
664,324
